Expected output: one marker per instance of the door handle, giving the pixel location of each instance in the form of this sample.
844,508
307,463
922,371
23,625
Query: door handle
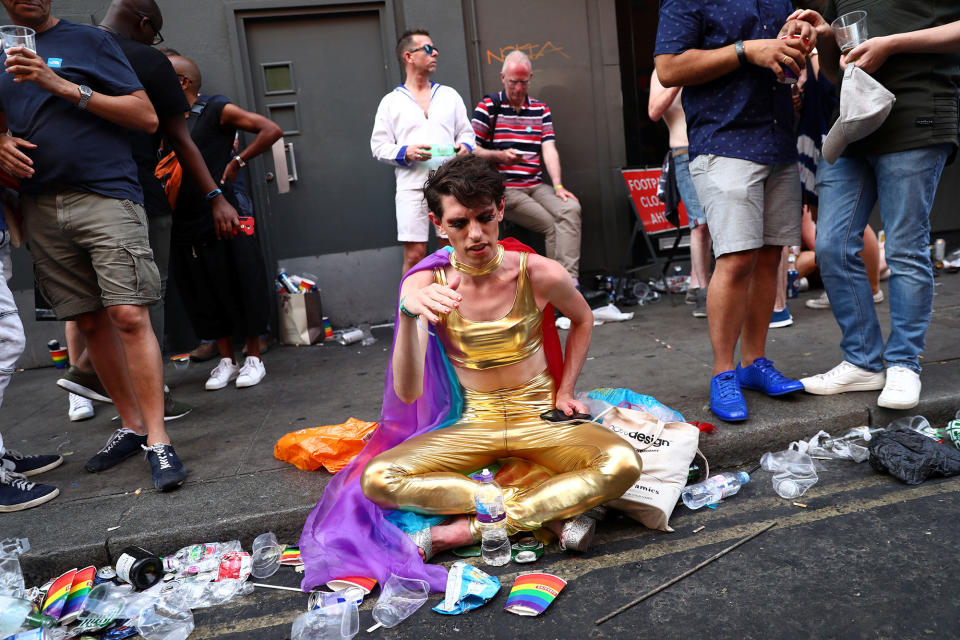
293,162
280,166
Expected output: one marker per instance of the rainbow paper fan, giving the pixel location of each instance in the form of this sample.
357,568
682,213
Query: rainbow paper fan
57,595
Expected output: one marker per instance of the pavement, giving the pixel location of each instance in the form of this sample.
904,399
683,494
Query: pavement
237,489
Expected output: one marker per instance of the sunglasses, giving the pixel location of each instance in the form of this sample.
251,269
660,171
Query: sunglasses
428,49
157,38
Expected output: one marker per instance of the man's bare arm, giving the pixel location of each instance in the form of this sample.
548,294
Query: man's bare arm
225,219
660,97
699,66
266,133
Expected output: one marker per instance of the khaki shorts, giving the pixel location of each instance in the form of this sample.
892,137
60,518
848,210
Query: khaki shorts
89,252
748,204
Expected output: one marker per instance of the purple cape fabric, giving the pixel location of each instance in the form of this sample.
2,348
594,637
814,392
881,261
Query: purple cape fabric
346,534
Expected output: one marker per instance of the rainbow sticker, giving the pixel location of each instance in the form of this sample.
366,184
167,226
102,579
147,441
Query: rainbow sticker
79,590
533,592
57,595
291,556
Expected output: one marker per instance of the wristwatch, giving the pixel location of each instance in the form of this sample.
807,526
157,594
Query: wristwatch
85,93
239,161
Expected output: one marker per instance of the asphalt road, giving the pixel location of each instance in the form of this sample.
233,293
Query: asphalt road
868,557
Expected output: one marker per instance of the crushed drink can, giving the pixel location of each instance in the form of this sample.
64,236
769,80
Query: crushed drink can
953,431
105,574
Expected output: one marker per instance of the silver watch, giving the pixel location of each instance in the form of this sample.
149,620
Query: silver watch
85,93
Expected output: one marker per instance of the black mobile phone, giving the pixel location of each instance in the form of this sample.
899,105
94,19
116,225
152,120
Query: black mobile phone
556,415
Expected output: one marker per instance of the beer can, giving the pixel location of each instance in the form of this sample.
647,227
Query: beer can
105,574
953,430
793,283
939,250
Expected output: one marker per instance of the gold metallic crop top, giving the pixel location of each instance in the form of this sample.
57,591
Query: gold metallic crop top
498,343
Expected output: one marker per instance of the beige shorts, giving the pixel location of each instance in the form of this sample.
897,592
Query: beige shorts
413,221
89,252
748,204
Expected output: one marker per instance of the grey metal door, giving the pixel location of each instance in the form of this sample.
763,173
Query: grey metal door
320,76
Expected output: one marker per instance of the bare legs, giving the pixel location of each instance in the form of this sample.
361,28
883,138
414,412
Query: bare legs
700,244
119,335
739,303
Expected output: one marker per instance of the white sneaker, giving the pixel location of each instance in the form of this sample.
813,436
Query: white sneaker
823,302
842,378
251,373
902,390
222,375
80,408
878,296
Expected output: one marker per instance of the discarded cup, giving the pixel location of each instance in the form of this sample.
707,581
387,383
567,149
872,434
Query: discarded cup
532,593
181,361
337,621
159,621
793,472
399,598
266,555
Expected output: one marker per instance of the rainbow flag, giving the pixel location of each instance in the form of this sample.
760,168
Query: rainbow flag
79,590
57,594
291,556
532,593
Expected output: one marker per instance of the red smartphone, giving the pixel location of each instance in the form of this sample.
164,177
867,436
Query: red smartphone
246,226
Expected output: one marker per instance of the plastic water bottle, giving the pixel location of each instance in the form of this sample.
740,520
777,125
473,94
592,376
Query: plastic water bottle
492,518
714,489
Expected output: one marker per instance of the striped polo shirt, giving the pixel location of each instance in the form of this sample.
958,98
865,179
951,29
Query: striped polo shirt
523,132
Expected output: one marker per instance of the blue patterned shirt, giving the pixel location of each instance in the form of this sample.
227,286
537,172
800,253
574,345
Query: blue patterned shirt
746,113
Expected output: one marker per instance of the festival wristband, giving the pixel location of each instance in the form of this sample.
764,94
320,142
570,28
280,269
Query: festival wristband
557,187
741,52
404,311
213,194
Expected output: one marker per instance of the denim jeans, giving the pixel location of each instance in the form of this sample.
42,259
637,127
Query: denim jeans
904,184
12,341
695,214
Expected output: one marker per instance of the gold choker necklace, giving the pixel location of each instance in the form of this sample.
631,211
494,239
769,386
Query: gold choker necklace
490,267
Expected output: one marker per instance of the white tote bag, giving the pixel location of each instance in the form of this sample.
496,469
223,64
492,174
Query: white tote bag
666,450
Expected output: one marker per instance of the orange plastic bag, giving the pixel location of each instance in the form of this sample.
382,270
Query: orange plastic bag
331,446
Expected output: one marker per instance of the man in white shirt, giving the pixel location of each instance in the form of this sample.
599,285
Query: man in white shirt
418,125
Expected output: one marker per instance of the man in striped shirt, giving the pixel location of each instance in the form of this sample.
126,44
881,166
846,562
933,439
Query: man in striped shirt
514,131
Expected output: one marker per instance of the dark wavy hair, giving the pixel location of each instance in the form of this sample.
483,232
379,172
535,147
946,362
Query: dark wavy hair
473,181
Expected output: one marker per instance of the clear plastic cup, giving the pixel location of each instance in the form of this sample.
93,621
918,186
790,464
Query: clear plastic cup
399,598
266,555
338,621
17,36
850,30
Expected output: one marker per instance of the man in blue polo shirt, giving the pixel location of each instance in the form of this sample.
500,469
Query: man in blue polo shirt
69,107
727,56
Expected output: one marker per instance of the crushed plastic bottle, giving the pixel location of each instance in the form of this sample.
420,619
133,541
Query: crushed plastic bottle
199,558
13,614
160,621
714,489
336,621
11,576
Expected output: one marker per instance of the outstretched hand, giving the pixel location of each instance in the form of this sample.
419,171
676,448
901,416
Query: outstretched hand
434,299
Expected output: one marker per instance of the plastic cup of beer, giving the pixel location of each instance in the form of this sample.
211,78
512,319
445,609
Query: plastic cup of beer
17,36
850,30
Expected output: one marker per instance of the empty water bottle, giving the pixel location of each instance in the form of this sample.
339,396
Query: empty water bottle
492,519
714,489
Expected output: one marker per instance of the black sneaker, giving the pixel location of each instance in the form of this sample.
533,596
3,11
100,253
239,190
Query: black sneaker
165,467
121,445
29,465
84,384
17,493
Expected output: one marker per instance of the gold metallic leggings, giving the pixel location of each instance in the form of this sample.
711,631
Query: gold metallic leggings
425,474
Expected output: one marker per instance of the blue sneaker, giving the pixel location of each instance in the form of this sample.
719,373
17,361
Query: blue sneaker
762,376
781,318
165,467
18,493
726,400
